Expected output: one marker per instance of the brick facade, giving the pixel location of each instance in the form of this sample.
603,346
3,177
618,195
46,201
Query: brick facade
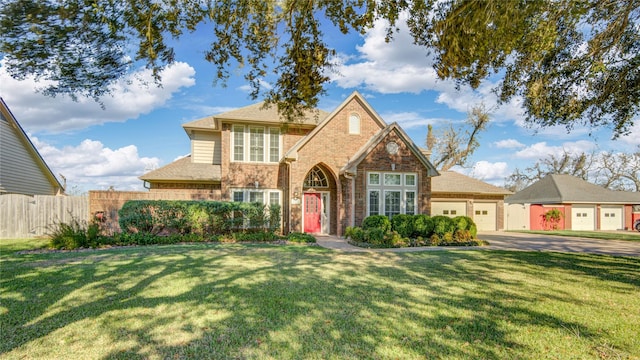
330,146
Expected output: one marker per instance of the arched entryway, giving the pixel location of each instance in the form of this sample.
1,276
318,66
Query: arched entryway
319,201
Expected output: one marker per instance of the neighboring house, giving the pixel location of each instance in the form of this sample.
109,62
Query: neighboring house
327,171
22,169
584,206
454,194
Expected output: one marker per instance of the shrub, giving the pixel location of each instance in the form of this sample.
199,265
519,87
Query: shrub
403,224
73,235
301,238
374,236
395,239
434,240
447,238
377,221
422,225
254,236
200,217
275,212
466,223
442,225
474,231
357,234
462,236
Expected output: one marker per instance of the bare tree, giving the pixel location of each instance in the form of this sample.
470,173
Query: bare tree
446,147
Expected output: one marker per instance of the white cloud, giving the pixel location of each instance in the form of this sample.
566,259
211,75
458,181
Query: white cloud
541,150
393,67
633,138
248,89
92,166
411,119
401,66
493,173
508,144
131,97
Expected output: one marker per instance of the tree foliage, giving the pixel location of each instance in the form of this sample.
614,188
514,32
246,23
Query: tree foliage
454,146
572,61
615,171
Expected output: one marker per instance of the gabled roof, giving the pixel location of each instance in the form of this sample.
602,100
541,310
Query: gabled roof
256,113
7,115
293,152
184,170
453,182
562,189
351,166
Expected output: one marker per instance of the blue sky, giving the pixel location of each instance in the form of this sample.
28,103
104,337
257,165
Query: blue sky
141,127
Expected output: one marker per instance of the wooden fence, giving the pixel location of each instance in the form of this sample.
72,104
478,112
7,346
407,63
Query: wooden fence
24,216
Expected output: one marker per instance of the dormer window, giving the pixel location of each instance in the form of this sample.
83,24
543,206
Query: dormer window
354,124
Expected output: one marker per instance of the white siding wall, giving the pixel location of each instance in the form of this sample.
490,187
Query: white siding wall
205,148
19,171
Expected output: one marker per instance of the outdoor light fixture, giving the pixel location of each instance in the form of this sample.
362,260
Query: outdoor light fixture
257,184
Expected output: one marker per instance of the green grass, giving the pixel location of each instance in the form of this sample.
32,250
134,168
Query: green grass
626,235
8,246
292,302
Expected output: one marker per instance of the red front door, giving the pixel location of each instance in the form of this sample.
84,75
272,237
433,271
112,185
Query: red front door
312,209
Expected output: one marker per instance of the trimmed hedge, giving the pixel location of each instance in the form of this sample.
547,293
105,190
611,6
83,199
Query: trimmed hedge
197,217
414,230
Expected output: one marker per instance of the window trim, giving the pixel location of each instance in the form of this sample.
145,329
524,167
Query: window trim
267,144
382,189
354,123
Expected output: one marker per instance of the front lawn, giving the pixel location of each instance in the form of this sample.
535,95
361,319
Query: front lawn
223,301
605,235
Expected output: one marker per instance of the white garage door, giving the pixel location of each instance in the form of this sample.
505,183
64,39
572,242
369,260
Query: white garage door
610,217
449,208
484,215
517,217
583,217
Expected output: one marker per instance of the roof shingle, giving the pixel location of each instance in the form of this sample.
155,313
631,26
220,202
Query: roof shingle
453,182
559,189
184,170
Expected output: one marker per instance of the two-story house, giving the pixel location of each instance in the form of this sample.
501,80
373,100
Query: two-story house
327,171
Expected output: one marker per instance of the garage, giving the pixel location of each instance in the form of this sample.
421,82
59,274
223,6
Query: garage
583,217
611,217
484,215
449,208
517,217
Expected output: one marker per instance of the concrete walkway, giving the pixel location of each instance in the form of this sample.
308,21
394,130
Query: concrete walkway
510,241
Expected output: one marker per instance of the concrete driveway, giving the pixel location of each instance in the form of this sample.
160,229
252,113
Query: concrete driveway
512,241
535,242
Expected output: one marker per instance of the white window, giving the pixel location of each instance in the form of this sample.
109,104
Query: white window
256,144
238,143
374,179
410,202
354,124
274,145
238,196
388,194
410,179
374,202
392,179
392,204
256,195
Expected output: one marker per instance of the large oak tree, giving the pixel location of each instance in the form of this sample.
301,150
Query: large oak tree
572,61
